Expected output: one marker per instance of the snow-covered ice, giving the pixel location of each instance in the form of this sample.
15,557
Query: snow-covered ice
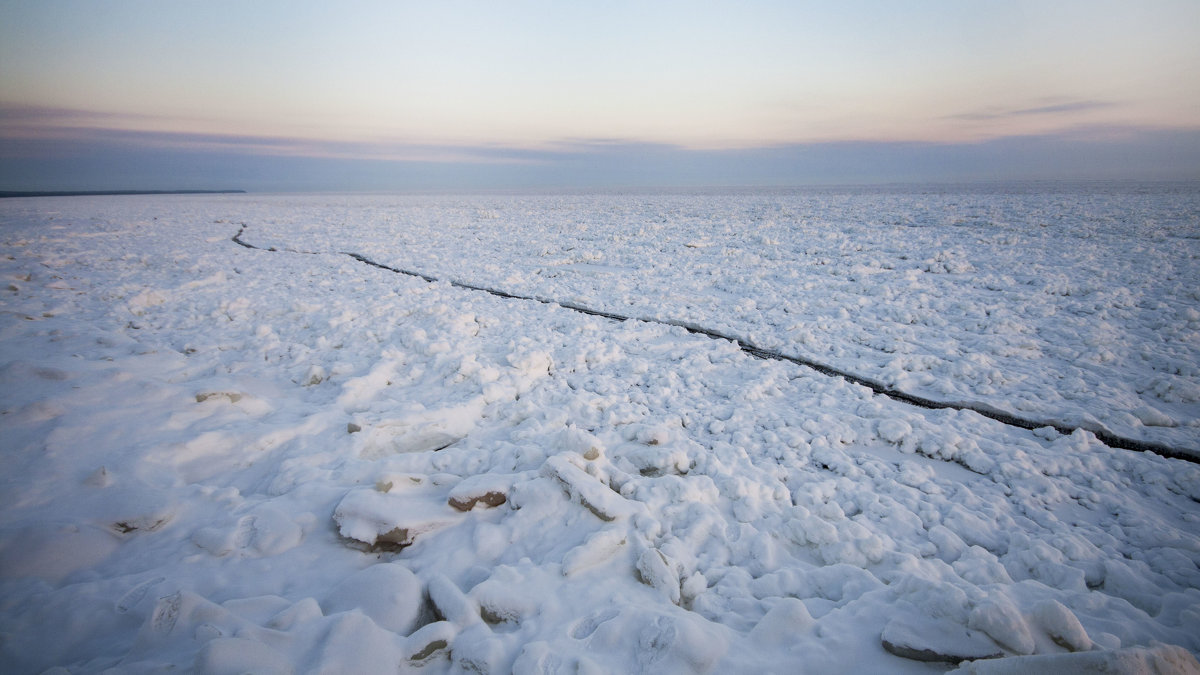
1079,308
236,459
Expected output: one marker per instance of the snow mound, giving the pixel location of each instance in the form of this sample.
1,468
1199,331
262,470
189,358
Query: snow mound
1159,660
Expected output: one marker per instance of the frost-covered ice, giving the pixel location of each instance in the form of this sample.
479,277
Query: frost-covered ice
1077,307
269,461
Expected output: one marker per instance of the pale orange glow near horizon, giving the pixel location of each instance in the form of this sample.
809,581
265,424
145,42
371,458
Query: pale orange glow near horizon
534,74
482,82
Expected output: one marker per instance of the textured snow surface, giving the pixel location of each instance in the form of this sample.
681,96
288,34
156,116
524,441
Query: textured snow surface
237,460
1078,308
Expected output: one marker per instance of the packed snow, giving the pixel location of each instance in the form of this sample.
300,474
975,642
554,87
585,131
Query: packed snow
275,458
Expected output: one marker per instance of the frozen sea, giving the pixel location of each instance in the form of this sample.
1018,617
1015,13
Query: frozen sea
495,432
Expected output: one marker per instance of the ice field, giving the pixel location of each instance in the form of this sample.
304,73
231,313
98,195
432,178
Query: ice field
267,455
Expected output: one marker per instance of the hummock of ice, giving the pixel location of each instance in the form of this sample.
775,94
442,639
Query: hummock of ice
237,460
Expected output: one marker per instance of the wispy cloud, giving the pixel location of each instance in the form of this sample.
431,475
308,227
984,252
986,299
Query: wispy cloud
19,119
23,128
62,149
993,113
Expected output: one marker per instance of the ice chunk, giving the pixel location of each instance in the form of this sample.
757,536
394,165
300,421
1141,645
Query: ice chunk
975,530
949,546
181,619
388,593
1156,660
540,658
979,566
230,396
266,532
451,603
922,638
655,460
380,519
658,571
781,625
424,431
893,430
239,655
1152,417
356,644
531,363
487,489
300,613
134,595
599,548
506,598
661,642
1123,582
272,532
315,375
1002,621
577,440
1062,626
588,625
429,639
476,650
591,493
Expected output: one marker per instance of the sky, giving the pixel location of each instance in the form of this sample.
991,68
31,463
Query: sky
371,95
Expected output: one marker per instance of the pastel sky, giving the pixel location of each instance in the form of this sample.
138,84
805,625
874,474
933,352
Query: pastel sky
614,92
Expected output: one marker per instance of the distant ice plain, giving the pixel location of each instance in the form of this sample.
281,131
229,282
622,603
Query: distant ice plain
1075,303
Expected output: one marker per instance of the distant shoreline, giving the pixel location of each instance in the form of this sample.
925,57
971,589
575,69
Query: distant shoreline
103,193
